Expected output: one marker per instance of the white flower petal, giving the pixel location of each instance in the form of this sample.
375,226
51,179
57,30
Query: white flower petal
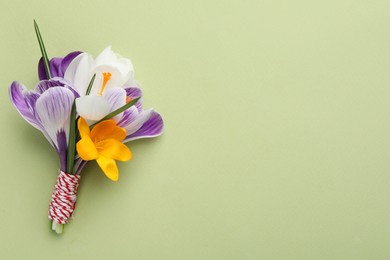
53,110
108,58
79,72
92,108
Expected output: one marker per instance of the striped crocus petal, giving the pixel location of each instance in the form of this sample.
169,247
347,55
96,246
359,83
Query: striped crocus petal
24,101
57,65
148,124
53,111
140,123
129,116
44,85
132,93
116,98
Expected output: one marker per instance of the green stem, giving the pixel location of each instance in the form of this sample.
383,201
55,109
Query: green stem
58,228
72,140
90,85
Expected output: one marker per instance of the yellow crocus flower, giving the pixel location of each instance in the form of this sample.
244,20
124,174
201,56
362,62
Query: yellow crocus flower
103,144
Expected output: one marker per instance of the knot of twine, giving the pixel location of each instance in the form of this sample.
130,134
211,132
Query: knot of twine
63,199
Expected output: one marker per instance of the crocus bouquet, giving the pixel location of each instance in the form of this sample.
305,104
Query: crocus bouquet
87,109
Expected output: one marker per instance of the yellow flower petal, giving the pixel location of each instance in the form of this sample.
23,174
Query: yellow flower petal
109,167
114,149
108,129
83,128
86,149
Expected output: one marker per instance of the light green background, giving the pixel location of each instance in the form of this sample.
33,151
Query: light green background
277,140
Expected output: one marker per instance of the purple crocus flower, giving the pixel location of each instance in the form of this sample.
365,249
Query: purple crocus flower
47,108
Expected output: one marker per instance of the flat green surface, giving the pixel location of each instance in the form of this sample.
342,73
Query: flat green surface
277,138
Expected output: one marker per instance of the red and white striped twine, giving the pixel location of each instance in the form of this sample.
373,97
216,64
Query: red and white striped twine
63,199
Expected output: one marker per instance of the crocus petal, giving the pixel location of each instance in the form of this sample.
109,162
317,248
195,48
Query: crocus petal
138,122
108,57
62,149
54,66
116,98
67,60
41,70
107,130
92,108
129,116
86,149
53,110
116,79
109,167
154,126
57,65
79,72
135,92
24,101
83,128
114,149
44,85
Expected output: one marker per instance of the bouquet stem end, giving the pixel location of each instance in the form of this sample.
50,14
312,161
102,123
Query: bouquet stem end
57,227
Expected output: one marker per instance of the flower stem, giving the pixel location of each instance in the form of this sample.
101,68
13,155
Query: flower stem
57,227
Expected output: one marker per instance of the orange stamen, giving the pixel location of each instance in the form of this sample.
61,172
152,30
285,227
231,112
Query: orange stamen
106,78
128,99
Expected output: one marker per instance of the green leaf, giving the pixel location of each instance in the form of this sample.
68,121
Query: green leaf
43,50
72,140
90,85
118,111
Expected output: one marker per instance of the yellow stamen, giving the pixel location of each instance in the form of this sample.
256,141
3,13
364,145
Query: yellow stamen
106,78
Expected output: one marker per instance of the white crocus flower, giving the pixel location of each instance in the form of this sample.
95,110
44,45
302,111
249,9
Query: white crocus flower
113,72
84,66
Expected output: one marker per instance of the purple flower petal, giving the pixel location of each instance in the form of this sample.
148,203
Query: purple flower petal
133,92
152,127
62,149
57,65
54,65
116,98
44,85
67,60
41,70
24,101
129,115
53,110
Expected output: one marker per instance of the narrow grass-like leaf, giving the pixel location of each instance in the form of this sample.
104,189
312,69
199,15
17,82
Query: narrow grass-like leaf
72,140
43,50
90,85
118,111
